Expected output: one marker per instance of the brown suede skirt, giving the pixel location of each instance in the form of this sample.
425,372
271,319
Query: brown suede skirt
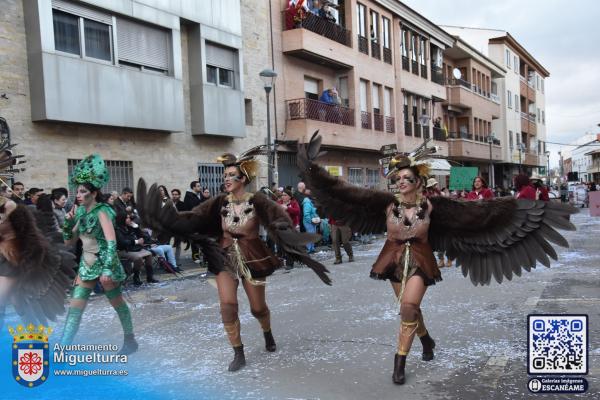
390,263
260,260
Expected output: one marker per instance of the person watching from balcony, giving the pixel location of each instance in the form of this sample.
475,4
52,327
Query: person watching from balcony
480,190
314,6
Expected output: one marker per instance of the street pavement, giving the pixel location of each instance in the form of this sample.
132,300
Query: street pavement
338,342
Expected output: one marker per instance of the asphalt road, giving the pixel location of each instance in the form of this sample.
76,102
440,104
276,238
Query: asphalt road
338,342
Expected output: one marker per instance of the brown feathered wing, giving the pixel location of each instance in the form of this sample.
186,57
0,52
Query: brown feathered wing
281,230
44,269
498,237
361,209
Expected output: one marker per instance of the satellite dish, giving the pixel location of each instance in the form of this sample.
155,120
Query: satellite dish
456,73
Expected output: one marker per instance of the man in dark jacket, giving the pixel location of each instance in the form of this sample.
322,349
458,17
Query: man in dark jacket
130,243
193,197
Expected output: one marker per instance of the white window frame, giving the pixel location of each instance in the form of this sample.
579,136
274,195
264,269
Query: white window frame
517,103
507,58
385,23
361,10
509,102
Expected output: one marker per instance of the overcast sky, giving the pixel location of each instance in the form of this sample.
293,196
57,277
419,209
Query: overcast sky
563,35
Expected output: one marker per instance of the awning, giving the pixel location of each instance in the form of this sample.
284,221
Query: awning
439,166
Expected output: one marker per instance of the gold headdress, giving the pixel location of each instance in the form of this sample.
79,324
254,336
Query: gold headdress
246,162
418,158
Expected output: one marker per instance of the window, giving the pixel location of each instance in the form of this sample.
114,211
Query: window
405,107
211,176
66,32
516,64
220,64
422,47
404,43
248,111
386,32
363,95
539,116
538,82
374,27
143,45
362,20
414,45
375,93
507,58
372,178
355,176
70,27
542,86
311,88
120,172
510,140
543,116
509,99
387,102
517,103
343,90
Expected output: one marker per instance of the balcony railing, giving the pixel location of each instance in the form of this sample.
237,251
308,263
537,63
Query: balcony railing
459,82
495,98
319,111
390,124
439,134
423,71
375,50
363,44
405,63
460,135
316,24
407,128
529,117
387,55
415,67
437,75
365,119
378,122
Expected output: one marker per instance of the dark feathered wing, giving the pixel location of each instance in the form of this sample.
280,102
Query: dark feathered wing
362,209
45,269
200,225
281,230
498,237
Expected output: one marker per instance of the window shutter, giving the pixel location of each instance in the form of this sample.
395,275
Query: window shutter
82,11
220,56
143,44
311,86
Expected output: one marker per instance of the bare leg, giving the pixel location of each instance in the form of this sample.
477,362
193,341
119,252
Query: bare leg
227,287
260,310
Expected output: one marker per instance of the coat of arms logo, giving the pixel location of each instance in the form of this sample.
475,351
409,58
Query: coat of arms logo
30,359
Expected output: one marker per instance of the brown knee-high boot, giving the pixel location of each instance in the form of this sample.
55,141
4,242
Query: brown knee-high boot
405,339
264,319
426,340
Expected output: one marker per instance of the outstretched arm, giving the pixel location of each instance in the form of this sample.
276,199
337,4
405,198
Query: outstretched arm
362,209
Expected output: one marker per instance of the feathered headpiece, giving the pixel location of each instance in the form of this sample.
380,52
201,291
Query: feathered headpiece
90,170
418,158
246,162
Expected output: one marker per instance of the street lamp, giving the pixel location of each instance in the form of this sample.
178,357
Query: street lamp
548,165
490,140
268,77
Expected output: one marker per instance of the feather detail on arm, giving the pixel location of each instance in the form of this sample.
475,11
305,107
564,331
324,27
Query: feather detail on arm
45,270
362,209
281,230
498,237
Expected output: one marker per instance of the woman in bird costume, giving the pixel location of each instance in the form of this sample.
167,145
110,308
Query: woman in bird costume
36,268
92,221
498,237
234,219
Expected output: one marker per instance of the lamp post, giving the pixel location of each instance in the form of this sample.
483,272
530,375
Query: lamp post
548,165
490,140
268,77
521,151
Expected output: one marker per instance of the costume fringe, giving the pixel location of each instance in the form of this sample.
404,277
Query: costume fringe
237,260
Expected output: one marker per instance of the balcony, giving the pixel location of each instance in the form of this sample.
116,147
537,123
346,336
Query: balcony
462,146
378,122
527,89
423,71
363,45
387,55
407,128
390,124
439,134
319,111
375,50
318,25
437,75
405,63
462,94
528,123
531,159
303,38
365,119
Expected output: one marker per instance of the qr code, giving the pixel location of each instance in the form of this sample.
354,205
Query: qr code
557,344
